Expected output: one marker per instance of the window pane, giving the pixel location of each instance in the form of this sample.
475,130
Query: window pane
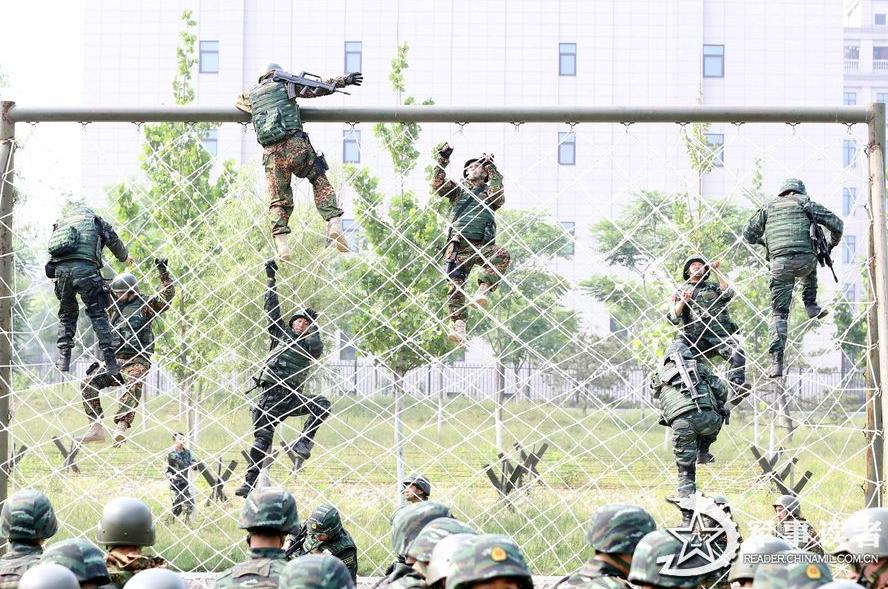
714,67
713,50
880,52
351,147
852,52
716,143
210,141
849,151
352,56
353,46
849,196
209,57
570,227
850,242
880,19
850,98
567,64
850,292
567,48
567,149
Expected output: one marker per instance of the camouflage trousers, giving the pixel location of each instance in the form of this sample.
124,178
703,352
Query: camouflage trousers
81,278
693,432
785,271
133,372
728,347
295,156
494,261
183,501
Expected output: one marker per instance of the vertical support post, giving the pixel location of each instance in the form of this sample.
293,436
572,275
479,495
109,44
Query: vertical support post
879,338
7,199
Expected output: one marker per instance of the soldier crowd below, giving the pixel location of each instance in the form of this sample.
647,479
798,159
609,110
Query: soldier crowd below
434,550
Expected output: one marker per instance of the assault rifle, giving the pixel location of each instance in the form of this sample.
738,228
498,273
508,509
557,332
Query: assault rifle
296,541
688,376
818,239
306,80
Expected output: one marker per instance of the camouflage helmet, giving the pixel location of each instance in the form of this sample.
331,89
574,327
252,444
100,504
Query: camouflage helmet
436,530
316,571
324,520
265,71
48,576
442,556
790,503
271,508
156,579
81,557
865,533
686,269
420,481
28,515
411,519
488,557
792,185
803,573
124,282
744,567
616,528
645,567
126,522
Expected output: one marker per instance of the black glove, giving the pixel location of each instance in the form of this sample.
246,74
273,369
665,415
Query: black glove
161,264
270,268
311,314
445,150
486,159
354,79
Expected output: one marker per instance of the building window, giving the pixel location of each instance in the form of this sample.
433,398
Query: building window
347,350
567,149
850,98
351,147
353,52
850,248
353,234
852,51
567,59
210,142
880,20
880,58
716,143
849,152
209,57
849,195
882,97
570,228
713,61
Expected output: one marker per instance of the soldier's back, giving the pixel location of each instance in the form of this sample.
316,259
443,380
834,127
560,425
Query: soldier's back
594,575
257,573
13,565
123,567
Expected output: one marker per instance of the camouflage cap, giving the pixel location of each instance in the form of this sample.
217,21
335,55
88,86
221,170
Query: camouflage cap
316,571
617,528
271,508
126,522
646,569
156,579
488,557
865,533
420,481
81,557
436,530
744,566
28,515
442,556
792,185
48,576
686,269
789,502
795,575
410,520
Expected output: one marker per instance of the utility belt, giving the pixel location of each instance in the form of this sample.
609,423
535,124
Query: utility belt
456,270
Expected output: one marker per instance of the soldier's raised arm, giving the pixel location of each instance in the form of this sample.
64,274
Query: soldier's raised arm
160,302
441,184
496,194
112,241
276,327
828,219
755,228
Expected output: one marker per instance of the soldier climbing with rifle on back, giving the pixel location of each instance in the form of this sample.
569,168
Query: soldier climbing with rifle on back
471,236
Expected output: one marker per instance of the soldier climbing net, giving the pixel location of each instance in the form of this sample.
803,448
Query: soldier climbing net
542,418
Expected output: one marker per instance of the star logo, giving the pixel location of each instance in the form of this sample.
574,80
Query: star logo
712,544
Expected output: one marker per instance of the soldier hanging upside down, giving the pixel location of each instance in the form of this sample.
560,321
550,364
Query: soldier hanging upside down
287,149
472,233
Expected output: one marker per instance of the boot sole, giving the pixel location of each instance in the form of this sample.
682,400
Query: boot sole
481,303
340,242
456,339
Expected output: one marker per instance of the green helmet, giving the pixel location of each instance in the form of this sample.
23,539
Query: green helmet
271,508
48,576
268,69
617,528
646,569
156,579
744,565
81,557
316,571
436,530
28,515
420,481
790,503
323,520
792,185
686,269
411,519
797,574
488,557
124,282
442,556
126,522
865,533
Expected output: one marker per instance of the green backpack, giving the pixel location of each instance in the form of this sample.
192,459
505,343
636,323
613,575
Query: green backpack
64,240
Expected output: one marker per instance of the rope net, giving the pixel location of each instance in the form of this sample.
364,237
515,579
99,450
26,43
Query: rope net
554,368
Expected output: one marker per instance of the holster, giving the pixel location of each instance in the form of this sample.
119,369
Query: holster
455,269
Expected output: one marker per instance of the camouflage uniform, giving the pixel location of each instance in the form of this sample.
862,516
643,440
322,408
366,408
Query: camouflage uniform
794,575
472,231
783,227
695,417
179,462
615,530
81,557
133,340
487,558
442,559
126,523
865,535
420,482
325,520
316,571
75,267
124,566
26,519
407,523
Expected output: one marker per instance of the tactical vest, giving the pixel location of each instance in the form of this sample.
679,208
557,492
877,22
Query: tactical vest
787,230
257,573
288,365
472,217
275,115
342,541
674,398
707,311
12,568
88,242
132,334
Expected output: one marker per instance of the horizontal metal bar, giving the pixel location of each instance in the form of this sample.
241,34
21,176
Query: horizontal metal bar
462,114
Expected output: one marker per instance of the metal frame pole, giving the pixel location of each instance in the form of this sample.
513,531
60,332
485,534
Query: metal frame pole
7,201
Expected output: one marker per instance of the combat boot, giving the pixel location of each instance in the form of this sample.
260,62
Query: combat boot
687,480
302,448
95,433
257,457
283,248
776,368
112,368
458,333
814,311
336,234
481,298
705,457
120,434
64,361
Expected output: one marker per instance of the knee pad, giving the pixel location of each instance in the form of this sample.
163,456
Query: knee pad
263,442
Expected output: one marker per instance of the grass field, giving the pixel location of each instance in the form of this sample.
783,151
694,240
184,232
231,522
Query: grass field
603,456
